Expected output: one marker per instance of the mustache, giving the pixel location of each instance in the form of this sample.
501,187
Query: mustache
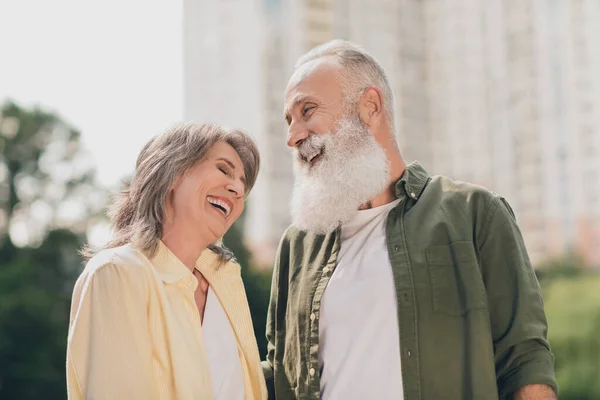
312,145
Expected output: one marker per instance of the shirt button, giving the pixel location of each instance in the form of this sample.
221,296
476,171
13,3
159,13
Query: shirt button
396,248
413,195
313,317
311,372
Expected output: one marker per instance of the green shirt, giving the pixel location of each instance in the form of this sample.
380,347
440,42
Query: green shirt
470,309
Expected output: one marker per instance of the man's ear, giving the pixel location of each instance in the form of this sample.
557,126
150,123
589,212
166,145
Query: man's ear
370,105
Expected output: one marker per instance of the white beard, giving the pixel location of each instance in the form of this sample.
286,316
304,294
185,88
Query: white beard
353,169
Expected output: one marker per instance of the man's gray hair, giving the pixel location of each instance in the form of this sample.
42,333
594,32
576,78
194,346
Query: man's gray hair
138,211
359,71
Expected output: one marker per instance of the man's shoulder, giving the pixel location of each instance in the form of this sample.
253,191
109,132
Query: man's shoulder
299,245
460,193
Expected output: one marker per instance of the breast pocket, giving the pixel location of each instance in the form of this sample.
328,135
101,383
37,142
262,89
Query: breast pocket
456,283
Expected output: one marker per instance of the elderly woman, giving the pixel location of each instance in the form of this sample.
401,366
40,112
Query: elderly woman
161,311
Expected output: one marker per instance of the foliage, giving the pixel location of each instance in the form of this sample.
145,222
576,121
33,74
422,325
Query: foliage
573,312
45,177
567,266
35,291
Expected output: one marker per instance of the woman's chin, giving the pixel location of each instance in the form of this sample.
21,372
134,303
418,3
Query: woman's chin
217,231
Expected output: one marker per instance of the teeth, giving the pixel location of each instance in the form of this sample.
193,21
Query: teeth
219,203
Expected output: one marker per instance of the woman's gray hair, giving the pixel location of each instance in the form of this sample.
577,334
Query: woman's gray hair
137,212
359,70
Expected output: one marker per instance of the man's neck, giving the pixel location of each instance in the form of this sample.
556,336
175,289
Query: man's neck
397,168
381,199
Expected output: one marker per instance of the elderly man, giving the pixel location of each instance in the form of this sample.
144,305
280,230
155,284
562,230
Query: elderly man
391,283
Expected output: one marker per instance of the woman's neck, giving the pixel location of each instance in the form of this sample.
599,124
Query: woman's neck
187,248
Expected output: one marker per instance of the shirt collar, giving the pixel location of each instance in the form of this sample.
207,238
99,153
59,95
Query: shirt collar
171,269
413,181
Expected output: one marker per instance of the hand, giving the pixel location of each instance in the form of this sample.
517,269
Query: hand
535,392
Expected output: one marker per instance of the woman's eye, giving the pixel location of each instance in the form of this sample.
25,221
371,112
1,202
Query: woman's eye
223,170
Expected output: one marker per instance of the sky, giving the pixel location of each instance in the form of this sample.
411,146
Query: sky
113,69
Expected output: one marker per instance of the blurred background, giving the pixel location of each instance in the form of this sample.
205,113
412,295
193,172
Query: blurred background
503,93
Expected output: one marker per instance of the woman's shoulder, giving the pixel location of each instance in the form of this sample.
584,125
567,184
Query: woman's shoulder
122,263
124,257
113,279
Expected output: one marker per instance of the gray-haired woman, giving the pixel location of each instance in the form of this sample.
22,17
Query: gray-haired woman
161,311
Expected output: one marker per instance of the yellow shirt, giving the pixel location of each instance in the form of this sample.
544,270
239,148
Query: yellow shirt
135,330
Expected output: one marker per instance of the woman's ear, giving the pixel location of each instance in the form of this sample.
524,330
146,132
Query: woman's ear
170,198
169,207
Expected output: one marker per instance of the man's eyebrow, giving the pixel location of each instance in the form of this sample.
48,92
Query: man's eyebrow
243,179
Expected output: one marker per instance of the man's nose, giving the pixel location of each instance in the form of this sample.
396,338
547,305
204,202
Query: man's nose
296,135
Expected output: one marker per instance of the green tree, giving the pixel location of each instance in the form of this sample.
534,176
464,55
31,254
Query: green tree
572,304
573,309
47,195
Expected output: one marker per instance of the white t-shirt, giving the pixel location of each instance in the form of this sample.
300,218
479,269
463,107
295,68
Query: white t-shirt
359,344
222,351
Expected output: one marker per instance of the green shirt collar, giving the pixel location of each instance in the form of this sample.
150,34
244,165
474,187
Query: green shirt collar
413,181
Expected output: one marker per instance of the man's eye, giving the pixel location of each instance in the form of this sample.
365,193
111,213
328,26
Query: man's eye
306,110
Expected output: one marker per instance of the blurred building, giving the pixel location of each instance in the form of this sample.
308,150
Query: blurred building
501,93
226,81
514,105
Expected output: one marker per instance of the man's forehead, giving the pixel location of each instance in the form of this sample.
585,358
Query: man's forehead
311,72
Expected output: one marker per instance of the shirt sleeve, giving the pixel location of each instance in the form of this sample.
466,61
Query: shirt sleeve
518,321
109,352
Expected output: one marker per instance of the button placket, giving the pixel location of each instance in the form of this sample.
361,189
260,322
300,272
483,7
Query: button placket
314,327
312,380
